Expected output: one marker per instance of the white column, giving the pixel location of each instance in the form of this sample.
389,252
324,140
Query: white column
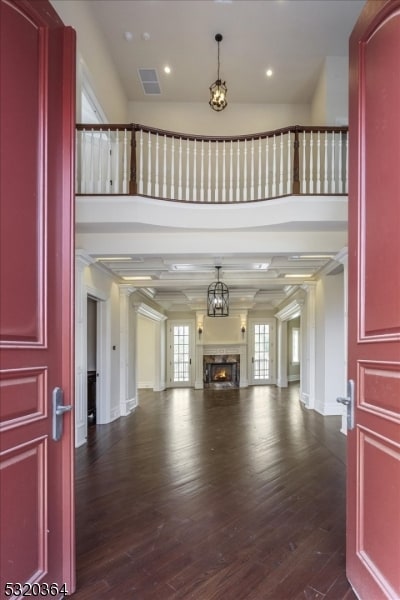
342,257
282,379
307,358
159,356
81,263
128,399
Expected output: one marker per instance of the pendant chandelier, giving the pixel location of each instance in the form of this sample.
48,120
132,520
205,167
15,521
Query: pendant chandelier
218,299
218,89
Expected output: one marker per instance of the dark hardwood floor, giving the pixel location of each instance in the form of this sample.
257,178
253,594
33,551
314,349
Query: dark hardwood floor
213,495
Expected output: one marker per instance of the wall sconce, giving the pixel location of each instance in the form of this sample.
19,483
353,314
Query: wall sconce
243,329
200,331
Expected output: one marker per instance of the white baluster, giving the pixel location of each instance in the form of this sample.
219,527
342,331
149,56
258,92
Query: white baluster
84,174
311,182
116,169
187,196
326,163
194,193
274,167
91,165
244,198
231,172
252,170
99,186
149,161
164,189
172,169
347,164
140,182
157,168
289,165
259,170
209,173
216,193
333,186
266,191
304,181
340,174
180,170
202,172
238,171
109,153
281,167
125,174
318,163
223,172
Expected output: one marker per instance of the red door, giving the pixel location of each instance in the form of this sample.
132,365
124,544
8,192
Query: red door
373,529
36,311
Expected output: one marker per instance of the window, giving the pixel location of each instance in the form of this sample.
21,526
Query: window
295,345
261,358
181,353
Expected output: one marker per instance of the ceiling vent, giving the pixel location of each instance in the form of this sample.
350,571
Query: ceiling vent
149,81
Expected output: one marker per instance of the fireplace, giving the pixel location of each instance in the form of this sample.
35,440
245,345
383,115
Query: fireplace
221,371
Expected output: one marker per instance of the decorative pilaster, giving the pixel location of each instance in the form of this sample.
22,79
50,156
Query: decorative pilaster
128,398
82,261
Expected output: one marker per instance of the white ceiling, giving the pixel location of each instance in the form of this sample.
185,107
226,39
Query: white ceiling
292,37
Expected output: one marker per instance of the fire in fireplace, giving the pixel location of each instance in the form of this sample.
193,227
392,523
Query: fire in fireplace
221,371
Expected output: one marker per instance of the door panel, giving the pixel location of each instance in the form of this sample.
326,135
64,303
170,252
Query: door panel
36,310
373,488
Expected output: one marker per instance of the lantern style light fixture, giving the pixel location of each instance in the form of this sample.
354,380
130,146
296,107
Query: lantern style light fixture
218,89
218,299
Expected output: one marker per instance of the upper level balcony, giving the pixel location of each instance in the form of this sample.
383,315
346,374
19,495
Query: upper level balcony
143,161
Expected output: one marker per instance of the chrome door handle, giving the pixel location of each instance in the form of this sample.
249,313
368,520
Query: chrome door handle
58,411
349,403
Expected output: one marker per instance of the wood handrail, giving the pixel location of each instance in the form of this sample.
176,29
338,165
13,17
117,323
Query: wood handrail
212,138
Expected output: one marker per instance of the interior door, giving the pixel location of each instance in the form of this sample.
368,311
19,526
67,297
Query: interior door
373,529
36,290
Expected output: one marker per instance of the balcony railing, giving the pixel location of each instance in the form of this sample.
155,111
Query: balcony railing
140,160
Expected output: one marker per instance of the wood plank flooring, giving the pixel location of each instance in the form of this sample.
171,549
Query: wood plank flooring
213,495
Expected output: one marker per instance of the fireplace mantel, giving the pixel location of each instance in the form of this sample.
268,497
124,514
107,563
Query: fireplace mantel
221,349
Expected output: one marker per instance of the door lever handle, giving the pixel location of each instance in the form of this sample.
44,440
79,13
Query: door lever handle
59,409
348,401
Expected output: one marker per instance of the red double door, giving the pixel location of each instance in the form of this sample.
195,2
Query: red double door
37,103
373,490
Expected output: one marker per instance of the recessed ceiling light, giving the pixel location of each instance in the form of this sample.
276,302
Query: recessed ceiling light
167,69
137,278
269,72
113,258
145,36
310,256
128,35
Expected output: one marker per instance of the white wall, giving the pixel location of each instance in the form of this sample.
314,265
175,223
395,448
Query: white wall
92,51
106,290
146,352
329,105
330,332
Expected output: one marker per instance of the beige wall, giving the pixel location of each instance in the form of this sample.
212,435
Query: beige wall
236,119
93,58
